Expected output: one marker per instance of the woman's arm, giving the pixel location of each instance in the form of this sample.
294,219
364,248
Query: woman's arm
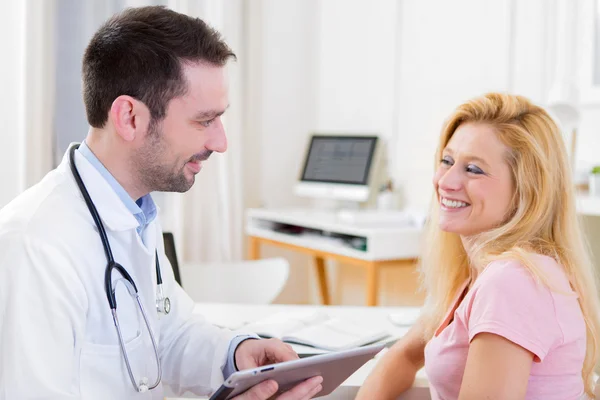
395,372
496,369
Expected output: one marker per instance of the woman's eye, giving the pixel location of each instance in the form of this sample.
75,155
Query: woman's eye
474,169
446,161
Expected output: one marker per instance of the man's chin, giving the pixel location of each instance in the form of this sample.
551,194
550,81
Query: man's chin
189,182
180,186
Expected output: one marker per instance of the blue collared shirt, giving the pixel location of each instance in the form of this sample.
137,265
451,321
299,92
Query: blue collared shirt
144,210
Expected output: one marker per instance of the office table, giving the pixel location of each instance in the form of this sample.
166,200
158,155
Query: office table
236,315
328,235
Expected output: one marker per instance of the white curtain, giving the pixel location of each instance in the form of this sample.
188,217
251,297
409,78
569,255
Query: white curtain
39,88
27,81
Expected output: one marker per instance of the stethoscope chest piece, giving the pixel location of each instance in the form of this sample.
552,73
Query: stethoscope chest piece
163,306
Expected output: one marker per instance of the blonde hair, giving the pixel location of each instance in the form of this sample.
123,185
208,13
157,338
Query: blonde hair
543,219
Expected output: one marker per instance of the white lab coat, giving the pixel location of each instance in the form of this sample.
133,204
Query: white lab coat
57,337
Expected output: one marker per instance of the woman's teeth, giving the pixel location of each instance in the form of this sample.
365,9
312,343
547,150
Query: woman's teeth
453,203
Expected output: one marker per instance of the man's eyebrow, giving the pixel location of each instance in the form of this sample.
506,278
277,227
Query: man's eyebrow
208,114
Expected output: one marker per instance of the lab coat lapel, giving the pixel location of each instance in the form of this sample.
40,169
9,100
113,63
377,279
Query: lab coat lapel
113,212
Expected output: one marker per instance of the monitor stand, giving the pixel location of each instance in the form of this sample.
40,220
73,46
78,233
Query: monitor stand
336,205
359,213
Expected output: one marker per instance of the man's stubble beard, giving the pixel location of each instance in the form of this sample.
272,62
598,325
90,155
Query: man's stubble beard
155,174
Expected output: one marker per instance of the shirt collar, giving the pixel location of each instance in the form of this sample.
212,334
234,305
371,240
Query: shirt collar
144,209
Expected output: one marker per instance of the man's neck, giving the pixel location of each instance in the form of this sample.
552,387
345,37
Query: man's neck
115,160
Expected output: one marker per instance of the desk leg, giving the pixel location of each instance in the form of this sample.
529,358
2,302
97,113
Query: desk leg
372,283
253,248
322,278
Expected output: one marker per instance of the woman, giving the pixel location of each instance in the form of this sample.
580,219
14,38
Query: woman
512,310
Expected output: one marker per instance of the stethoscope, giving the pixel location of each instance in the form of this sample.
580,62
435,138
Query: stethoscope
163,304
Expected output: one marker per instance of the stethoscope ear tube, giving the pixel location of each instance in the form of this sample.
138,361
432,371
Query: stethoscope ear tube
90,205
110,293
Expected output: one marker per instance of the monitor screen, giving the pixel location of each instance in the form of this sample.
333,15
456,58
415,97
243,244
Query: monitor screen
339,159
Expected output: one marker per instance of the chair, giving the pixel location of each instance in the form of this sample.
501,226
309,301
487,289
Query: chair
172,255
249,282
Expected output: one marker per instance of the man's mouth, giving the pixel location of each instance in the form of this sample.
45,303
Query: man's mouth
194,166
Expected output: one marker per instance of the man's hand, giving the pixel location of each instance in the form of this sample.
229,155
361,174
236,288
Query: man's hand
256,353
253,353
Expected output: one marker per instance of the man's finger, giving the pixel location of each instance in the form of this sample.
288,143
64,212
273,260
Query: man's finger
304,390
314,392
279,351
262,391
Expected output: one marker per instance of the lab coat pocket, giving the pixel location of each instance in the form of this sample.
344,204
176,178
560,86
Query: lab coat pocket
103,372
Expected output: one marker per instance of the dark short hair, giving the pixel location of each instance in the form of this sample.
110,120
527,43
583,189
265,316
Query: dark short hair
139,52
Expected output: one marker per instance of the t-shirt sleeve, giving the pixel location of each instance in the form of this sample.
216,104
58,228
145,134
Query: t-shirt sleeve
507,301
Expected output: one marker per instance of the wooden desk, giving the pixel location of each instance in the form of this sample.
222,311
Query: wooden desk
373,268
321,233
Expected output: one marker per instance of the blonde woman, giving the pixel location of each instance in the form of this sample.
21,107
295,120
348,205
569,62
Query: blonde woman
512,307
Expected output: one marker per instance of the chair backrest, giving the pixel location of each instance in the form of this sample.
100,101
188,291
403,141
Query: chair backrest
251,282
172,254
248,282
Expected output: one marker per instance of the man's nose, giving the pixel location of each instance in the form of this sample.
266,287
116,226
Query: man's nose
217,140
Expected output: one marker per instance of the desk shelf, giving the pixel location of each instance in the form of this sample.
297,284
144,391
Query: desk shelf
321,230
325,244
324,235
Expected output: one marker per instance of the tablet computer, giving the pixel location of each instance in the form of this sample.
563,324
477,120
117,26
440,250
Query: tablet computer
334,367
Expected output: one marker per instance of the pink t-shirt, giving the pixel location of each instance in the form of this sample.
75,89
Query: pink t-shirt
506,300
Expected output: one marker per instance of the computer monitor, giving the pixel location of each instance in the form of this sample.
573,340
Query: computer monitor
339,168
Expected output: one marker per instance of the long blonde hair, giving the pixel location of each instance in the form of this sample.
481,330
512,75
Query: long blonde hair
543,219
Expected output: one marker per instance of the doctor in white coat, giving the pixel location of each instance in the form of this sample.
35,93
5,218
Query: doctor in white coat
154,90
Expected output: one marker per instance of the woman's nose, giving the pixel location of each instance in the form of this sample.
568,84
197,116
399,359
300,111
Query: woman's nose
451,180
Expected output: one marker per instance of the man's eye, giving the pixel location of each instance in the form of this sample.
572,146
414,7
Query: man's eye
206,124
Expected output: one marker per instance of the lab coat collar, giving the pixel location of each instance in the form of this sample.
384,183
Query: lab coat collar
112,210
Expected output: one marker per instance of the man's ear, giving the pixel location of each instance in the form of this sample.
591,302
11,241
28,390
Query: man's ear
129,116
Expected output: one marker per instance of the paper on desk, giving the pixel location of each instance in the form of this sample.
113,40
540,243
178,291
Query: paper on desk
406,317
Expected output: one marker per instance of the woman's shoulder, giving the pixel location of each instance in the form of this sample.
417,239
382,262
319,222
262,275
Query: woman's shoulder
519,288
542,272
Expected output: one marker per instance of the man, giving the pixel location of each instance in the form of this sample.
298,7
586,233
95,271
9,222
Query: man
154,91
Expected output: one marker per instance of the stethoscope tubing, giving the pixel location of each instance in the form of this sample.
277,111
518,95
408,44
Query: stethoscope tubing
129,282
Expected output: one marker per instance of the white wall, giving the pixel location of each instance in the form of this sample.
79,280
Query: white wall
288,94
396,68
280,88
448,56
356,63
